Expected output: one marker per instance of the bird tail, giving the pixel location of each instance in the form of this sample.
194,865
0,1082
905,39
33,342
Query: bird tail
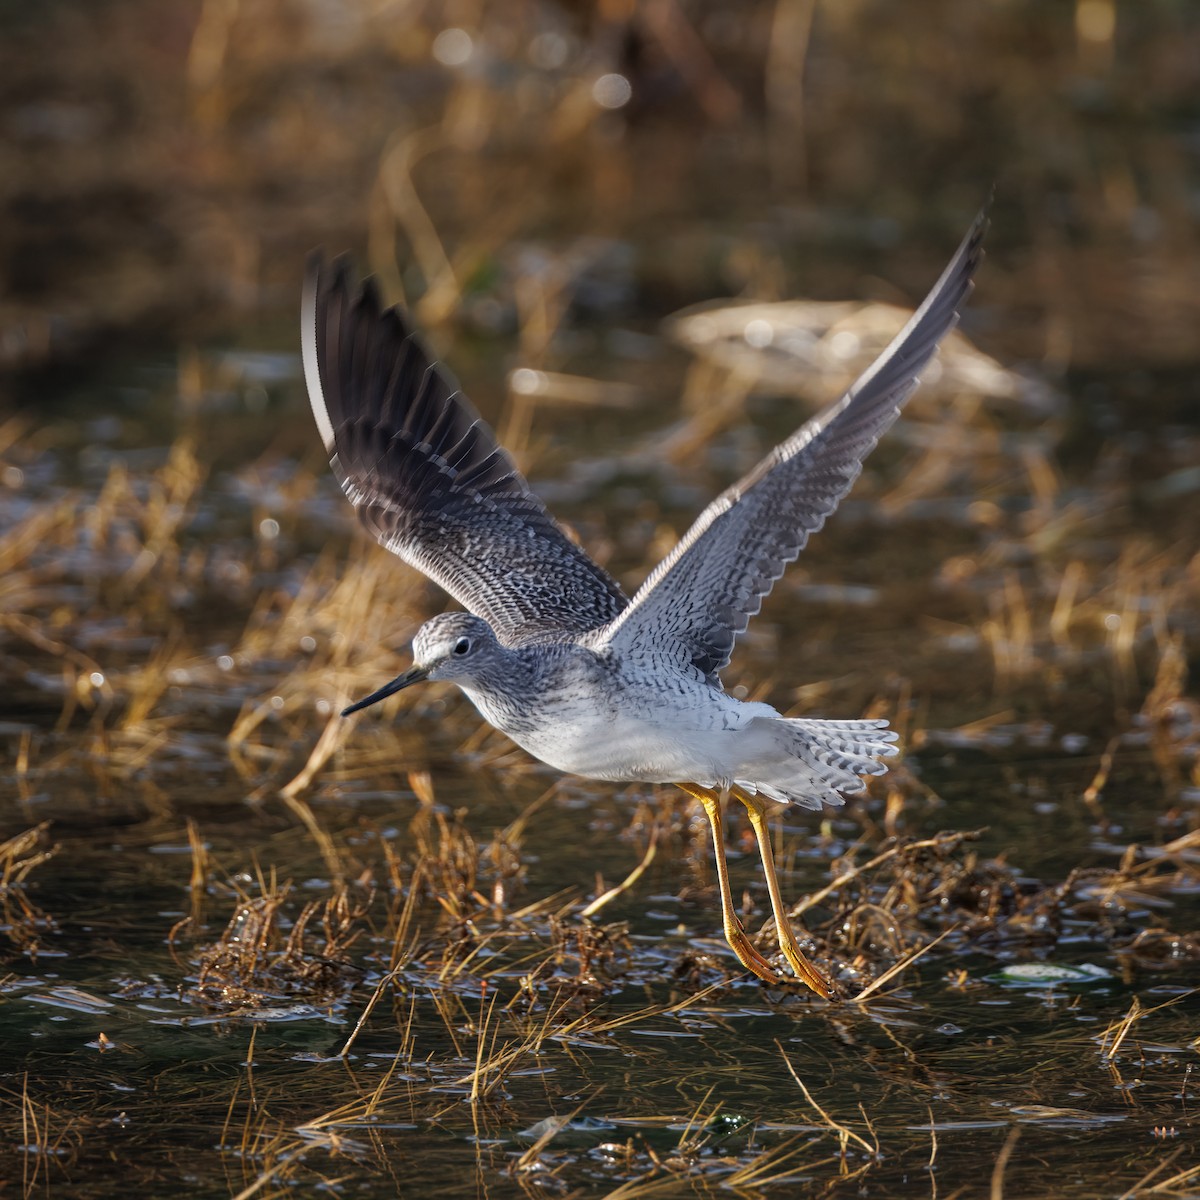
820,761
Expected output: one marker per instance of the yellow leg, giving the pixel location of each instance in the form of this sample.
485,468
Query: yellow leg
805,971
735,935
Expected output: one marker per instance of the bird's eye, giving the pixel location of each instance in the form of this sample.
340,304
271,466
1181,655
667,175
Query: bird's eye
462,646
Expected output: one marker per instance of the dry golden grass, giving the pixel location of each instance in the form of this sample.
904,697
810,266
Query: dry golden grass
25,923
346,614
145,648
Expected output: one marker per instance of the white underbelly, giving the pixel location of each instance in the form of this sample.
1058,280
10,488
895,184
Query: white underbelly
640,748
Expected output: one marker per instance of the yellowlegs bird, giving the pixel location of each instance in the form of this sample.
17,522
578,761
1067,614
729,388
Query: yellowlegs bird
550,651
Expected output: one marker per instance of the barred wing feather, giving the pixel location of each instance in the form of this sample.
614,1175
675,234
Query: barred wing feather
703,594
426,474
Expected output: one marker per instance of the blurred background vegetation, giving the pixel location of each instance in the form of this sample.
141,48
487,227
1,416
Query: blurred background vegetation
166,164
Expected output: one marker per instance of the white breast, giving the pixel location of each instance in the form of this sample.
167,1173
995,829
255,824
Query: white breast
699,738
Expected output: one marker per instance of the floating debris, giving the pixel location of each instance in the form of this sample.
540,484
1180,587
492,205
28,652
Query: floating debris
1047,974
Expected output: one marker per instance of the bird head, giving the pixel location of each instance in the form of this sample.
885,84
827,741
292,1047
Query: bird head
453,646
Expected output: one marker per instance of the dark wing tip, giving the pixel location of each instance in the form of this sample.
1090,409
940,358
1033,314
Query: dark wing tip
971,250
314,264
958,279
368,293
427,475
902,362
388,411
329,295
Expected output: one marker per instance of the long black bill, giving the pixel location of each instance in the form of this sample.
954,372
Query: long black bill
389,689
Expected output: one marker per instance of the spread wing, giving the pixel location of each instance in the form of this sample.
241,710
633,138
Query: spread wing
703,594
426,474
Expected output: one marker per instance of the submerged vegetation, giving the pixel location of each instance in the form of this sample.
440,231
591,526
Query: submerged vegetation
251,948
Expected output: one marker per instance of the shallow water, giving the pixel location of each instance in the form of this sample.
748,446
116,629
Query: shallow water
661,1079
185,603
